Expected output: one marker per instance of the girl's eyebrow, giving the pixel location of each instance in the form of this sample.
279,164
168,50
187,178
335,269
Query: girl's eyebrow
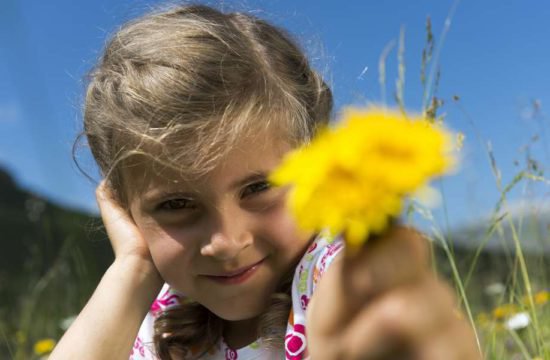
256,176
155,195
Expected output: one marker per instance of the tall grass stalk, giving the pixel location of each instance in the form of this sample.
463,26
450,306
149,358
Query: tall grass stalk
488,234
520,344
458,282
435,62
496,225
400,82
382,70
527,284
7,342
517,245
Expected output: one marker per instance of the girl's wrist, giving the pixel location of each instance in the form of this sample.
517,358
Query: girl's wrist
139,273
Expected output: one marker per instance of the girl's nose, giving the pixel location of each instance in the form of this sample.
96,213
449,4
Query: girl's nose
227,243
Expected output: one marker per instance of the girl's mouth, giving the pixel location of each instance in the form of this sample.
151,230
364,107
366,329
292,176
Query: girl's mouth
237,276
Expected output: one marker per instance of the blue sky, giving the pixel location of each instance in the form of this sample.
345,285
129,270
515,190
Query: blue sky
495,57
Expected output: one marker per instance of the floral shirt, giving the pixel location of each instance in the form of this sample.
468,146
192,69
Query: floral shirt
312,266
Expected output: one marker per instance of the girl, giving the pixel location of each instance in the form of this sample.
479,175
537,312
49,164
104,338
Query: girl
186,113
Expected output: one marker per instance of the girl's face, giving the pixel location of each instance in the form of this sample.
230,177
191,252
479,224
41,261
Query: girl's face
225,240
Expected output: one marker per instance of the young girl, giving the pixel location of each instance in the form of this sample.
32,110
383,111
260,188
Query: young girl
186,113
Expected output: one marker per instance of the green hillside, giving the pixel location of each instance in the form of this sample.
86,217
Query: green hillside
50,261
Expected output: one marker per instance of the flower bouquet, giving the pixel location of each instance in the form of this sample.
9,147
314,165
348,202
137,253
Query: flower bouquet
353,179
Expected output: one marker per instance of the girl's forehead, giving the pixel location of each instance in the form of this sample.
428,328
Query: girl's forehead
259,154
253,155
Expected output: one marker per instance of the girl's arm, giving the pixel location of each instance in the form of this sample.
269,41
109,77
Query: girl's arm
107,326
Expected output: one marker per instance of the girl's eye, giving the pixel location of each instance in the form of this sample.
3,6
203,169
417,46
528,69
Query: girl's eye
255,188
177,204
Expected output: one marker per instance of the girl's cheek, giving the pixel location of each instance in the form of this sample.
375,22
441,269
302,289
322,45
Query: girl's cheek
170,248
286,235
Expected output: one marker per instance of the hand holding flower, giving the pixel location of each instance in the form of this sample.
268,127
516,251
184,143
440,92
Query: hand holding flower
384,303
379,301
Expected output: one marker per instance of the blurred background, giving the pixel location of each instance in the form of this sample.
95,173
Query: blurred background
481,67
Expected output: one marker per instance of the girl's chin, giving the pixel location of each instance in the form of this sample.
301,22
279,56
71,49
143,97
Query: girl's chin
240,314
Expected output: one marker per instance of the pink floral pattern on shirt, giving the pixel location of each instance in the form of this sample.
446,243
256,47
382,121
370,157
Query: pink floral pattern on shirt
295,343
164,300
313,265
137,348
231,354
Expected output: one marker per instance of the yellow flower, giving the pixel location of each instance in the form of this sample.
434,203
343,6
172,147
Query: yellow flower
505,311
44,346
353,179
542,297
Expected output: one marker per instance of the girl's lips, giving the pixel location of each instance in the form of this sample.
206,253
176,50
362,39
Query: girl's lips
238,276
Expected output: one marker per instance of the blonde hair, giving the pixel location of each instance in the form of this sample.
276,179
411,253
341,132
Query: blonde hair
181,86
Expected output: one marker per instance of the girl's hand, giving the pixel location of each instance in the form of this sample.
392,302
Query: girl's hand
384,303
125,237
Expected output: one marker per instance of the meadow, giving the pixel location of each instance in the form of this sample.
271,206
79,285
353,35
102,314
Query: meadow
498,267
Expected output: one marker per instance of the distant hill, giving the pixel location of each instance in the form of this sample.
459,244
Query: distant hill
485,248
28,223
45,250
531,222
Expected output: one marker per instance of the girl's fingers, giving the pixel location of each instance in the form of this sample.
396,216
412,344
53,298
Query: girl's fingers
384,304
121,229
458,337
105,199
398,257
399,319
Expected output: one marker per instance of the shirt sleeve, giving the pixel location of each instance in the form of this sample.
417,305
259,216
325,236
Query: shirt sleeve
311,268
